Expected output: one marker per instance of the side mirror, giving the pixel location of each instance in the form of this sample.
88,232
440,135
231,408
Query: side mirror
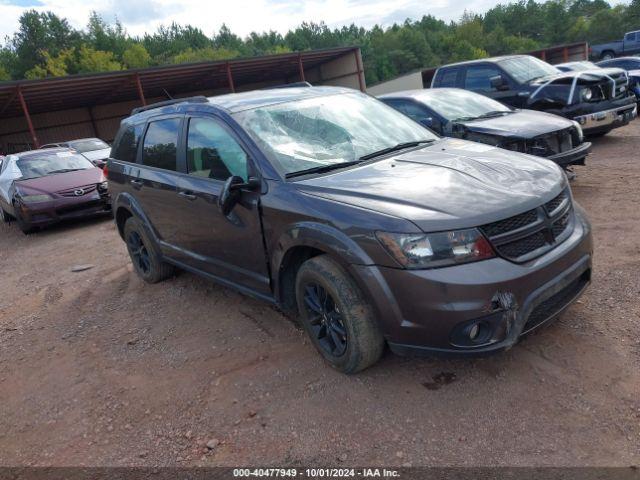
427,122
231,191
498,82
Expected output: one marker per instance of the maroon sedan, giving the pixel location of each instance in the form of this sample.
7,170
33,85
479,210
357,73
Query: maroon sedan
42,187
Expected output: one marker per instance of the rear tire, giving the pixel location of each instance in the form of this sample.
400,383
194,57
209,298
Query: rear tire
607,55
335,314
145,256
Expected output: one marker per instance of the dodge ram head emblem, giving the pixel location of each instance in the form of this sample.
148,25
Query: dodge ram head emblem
79,192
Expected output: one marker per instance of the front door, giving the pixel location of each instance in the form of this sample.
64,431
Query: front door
229,247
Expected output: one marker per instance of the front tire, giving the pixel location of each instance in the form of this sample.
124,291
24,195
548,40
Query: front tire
144,255
23,225
4,216
336,316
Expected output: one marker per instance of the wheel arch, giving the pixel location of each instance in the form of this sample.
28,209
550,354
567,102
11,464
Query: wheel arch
302,242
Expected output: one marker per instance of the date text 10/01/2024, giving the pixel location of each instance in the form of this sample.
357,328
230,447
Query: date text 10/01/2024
316,472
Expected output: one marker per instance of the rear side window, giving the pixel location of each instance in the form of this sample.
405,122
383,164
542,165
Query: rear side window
479,78
448,78
125,147
161,144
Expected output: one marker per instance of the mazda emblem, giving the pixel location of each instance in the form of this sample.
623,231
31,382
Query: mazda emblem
79,192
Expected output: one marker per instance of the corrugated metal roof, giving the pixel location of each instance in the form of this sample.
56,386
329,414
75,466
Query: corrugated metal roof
96,89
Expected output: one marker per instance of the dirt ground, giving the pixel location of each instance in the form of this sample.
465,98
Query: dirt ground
99,369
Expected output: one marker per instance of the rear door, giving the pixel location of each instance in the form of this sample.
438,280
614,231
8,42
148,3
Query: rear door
228,247
155,178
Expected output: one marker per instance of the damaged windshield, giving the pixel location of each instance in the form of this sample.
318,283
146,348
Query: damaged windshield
40,165
329,130
524,69
455,104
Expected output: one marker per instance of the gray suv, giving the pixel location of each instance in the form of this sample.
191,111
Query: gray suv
365,225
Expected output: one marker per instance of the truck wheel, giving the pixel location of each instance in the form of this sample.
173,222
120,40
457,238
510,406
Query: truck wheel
336,316
607,55
144,254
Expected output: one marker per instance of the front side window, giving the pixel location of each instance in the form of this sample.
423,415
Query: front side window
327,130
631,37
41,165
126,146
212,152
161,144
479,78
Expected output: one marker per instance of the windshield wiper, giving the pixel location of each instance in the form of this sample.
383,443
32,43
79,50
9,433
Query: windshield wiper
395,148
322,168
495,113
65,170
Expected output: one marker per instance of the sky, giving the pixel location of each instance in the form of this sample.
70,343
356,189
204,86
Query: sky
241,16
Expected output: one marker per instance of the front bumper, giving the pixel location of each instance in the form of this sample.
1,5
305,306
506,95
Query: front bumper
422,311
607,119
575,156
48,213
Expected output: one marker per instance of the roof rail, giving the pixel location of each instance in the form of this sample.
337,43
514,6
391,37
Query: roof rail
198,99
289,85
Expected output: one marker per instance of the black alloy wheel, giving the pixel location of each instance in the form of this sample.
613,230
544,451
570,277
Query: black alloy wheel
325,319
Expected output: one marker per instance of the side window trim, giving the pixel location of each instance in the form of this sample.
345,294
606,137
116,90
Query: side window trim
180,155
252,170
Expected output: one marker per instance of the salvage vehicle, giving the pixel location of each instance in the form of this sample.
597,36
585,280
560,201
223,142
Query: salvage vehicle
598,102
629,45
629,64
93,149
39,188
342,211
458,113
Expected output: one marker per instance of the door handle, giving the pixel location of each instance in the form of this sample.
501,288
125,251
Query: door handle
188,195
137,184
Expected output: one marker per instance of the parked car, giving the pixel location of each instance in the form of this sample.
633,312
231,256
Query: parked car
598,102
631,65
42,187
458,113
629,45
93,149
337,208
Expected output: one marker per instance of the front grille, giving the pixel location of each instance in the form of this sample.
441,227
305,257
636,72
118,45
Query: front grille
78,191
530,234
552,144
510,224
553,205
551,306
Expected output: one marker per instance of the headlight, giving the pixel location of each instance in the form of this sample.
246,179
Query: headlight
418,250
586,94
35,198
103,186
579,130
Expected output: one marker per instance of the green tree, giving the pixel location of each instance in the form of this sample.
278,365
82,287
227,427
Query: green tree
4,74
136,56
94,61
204,55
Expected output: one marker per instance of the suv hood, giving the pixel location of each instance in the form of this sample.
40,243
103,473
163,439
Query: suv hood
521,124
449,184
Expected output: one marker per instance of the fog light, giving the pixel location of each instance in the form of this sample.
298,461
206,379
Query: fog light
474,331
